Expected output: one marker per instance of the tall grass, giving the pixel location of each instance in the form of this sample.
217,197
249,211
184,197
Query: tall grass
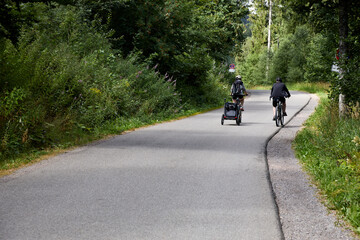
63,85
316,87
329,148
62,82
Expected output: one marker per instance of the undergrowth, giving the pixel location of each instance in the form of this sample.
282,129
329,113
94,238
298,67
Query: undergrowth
63,84
329,148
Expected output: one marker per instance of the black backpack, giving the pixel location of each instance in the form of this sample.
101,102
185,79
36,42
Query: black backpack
237,88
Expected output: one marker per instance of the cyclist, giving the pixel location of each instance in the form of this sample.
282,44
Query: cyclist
279,91
238,90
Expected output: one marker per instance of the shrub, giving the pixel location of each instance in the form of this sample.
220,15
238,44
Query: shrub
319,59
281,59
12,129
66,81
348,81
253,68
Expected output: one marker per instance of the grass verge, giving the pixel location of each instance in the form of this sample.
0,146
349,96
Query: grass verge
329,148
318,88
117,127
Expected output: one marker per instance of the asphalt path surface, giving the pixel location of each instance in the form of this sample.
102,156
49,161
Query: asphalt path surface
187,179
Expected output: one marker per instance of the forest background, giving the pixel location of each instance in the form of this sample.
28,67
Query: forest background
76,68
315,42
74,71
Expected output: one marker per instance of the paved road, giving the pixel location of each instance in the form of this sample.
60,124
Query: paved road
187,179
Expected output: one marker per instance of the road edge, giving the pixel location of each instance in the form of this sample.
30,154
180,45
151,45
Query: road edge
300,212
268,168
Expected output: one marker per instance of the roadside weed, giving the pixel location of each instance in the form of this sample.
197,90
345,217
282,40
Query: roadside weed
329,149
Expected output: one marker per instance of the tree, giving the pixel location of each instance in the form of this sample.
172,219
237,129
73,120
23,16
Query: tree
343,36
337,19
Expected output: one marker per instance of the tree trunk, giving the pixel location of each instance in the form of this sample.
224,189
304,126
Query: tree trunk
343,35
269,27
269,41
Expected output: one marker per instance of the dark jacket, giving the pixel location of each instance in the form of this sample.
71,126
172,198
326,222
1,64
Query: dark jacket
279,89
238,82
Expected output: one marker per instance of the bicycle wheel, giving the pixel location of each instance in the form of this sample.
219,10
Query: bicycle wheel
278,116
222,119
238,115
282,118
238,118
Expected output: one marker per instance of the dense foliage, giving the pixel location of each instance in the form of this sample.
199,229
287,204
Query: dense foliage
67,68
305,37
185,38
308,39
58,82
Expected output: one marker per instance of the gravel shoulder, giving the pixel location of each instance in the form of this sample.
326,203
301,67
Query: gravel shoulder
302,215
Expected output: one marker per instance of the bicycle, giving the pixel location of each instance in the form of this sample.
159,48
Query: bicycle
239,111
279,115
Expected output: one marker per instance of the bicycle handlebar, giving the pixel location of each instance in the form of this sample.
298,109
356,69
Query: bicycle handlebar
272,97
242,95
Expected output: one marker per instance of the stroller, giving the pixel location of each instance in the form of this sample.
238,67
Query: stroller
231,112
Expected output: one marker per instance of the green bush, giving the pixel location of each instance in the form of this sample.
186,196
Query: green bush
192,73
348,81
11,119
290,58
63,80
319,59
253,68
248,68
280,61
217,86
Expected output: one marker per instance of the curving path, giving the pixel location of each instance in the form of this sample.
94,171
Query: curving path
186,179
